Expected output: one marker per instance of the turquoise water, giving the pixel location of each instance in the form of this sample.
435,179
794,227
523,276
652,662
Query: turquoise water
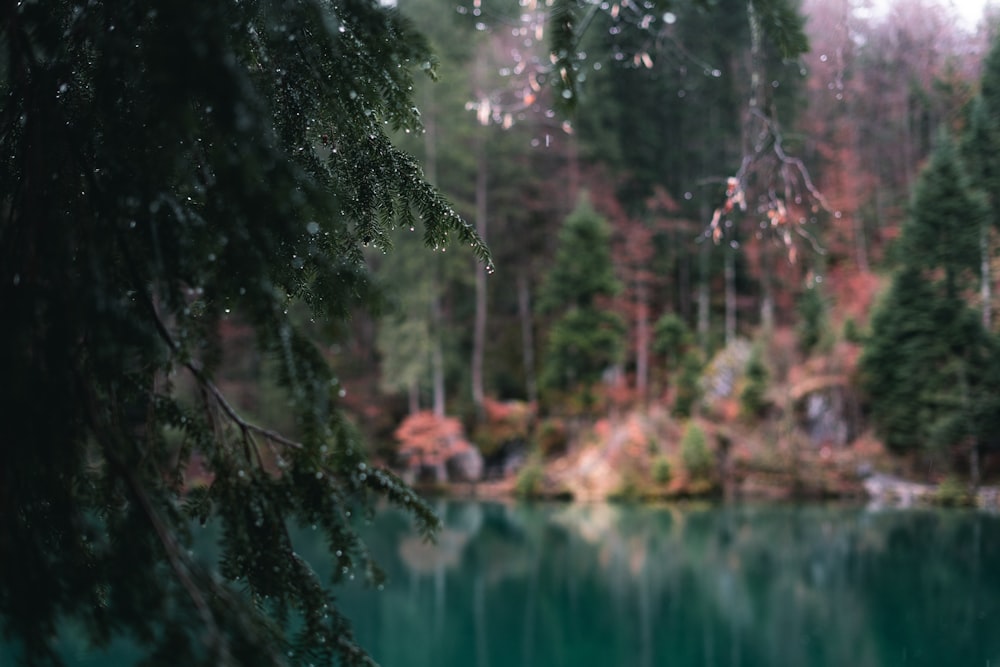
599,585
605,586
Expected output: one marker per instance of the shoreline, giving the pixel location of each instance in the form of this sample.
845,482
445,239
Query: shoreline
877,490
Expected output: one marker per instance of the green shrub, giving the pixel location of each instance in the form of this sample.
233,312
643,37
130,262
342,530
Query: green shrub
660,470
551,437
695,452
952,492
852,332
811,309
688,385
753,398
529,480
671,338
628,491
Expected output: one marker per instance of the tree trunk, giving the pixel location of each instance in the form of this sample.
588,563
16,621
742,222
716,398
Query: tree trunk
730,275
766,290
413,396
437,319
985,288
642,340
479,327
527,337
704,268
437,357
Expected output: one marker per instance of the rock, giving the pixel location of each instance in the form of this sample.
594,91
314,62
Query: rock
824,419
466,466
887,490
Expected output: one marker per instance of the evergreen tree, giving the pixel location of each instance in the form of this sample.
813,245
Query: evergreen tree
587,337
812,323
981,150
929,365
928,368
753,396
166,167
942,230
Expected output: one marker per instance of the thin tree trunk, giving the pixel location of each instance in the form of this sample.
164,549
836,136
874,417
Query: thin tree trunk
437,320
573,159
413,396
683,289
437,357
479,330
767,290
642,340
704,268
730,276
985,289
527,337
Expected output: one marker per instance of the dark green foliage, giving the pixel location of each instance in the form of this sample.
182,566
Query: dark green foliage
929,369
852,332
581,345
582,272
586,337
166,167
695,453
942,230
688,384
811,326
753,397
952,492
529,480
672,338
929,366
570,21
660,470
982,137
783,25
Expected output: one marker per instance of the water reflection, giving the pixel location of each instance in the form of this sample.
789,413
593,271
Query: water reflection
600,585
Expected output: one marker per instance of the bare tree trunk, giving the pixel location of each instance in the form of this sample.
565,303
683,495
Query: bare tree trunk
985,288
479,323
527,337
437,357
767,291
683,290
479,331
413,396
704,268
642,341
437,324
730,276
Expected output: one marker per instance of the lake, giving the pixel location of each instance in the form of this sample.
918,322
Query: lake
607,585
599,585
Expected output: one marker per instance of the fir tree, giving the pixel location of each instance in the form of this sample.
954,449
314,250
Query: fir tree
929,365
981,151
929,369
942,230
587,337
167,166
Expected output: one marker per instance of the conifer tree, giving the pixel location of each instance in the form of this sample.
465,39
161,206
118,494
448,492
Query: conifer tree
166,167
981,151
587,337
929,365
942,230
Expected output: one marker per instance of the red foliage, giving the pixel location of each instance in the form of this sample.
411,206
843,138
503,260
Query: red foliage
428,440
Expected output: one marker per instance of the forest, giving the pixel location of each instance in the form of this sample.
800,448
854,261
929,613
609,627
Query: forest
718,243
270,266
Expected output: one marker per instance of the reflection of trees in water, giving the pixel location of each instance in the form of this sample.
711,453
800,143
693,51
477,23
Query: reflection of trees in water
604,584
